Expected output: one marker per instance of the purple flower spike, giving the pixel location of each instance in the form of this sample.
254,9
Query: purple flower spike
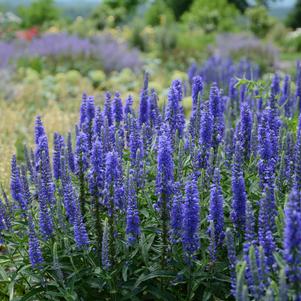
117,108
132,214
176,215
165,168
216,215
191,219
35,253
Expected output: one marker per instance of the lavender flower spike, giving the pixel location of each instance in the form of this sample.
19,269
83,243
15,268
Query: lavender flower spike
165,168
107,111
176,216
117,108
292,244
238,212
81,153
205,140
39,129
216,109
144,106
16,185
70,153
35,253
191,219
57,145
80,232
105,256
132,215
216,214
45,218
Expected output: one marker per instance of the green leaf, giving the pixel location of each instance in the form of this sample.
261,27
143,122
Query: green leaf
3,274
32,293
124,272
279,260
152,275
11,290
160,294
207,295
145,246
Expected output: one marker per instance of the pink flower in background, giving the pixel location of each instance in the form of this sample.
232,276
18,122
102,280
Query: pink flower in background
28,34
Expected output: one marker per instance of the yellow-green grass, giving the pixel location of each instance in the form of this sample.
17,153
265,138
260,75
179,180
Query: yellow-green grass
57,100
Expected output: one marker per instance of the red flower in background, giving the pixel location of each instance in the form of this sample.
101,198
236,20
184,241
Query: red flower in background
28,34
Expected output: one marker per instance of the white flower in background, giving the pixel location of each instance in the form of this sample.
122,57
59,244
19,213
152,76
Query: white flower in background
294,34
9,17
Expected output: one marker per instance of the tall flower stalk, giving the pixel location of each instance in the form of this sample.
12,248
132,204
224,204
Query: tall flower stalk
191,219
164,184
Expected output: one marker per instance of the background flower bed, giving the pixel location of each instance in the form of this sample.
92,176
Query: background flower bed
53,51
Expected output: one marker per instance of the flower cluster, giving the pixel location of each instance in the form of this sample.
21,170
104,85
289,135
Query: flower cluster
129,188
112,54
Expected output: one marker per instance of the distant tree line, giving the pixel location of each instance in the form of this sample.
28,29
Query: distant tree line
41,11
180,6
294,18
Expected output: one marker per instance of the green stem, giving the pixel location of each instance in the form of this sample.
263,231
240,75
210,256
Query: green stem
81,189
215,151
164,230
111,225
189,289
98,229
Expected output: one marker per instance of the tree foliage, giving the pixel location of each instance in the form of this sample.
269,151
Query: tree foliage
130,5
159,13
242,5
294,19
260,20
111,13
179,7
38,13
214,15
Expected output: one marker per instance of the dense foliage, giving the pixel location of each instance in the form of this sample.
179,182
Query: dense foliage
215,15
146,205
38,13
294,19
260,21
